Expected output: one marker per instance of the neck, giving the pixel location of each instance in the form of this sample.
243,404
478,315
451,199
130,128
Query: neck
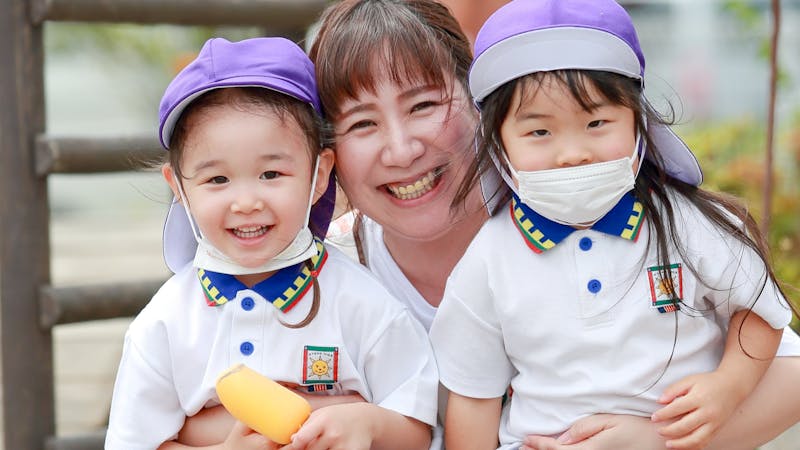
427,264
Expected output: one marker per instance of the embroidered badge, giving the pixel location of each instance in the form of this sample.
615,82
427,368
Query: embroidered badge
320,365
665,294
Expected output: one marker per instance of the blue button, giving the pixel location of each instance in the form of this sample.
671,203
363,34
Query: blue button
246,348
585,244
594,286
248,303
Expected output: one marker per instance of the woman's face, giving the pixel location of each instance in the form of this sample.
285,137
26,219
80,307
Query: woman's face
401,153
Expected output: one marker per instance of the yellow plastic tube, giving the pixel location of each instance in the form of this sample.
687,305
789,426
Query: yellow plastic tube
262,404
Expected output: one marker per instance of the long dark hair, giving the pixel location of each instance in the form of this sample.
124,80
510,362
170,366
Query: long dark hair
287,109
654,187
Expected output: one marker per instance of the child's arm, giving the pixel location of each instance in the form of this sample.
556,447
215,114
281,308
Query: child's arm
472,423
700,404
361,426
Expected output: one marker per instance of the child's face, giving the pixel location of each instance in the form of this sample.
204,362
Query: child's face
247,180
550,130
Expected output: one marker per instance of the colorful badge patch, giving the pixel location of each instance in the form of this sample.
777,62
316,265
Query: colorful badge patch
663,295
320,365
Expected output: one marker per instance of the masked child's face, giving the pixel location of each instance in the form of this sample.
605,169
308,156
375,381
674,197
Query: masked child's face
401,152
548,129
247,180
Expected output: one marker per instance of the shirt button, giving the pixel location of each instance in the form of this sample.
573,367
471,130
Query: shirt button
248,303
594,286
585,244
246,348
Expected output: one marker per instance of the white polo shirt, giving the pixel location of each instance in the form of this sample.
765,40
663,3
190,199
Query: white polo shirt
178,345
580,321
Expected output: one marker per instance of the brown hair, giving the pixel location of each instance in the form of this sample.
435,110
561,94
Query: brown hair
253,99
361,42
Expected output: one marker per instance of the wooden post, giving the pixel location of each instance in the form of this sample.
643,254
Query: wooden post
27,358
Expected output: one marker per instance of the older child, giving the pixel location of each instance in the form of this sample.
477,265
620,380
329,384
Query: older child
612,284
241,123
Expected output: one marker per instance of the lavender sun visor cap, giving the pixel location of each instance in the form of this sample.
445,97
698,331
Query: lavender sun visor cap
528,36
273,63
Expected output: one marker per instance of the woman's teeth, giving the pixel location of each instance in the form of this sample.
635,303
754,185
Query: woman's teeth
250,232
416,189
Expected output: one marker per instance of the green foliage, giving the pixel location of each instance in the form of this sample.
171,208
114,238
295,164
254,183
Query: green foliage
732,156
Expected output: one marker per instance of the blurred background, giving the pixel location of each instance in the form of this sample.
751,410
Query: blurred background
708,59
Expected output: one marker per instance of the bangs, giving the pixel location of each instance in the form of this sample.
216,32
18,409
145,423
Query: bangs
376,43
581,84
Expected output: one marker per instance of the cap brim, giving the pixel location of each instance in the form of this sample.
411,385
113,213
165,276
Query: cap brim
178,240
679,161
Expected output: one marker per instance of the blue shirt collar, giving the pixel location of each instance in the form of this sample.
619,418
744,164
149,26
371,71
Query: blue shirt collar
283,289
541,234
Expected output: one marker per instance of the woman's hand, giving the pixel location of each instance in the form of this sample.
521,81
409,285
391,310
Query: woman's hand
603,432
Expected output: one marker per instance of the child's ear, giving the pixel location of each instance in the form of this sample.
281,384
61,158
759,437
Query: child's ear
169,176
323,172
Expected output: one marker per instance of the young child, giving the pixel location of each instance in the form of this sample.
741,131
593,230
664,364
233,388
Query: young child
612,278
252,285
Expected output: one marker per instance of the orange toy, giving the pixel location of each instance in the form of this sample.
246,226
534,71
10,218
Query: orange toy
262,404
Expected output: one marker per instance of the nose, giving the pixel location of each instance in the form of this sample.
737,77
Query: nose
247,201
401,147
574,155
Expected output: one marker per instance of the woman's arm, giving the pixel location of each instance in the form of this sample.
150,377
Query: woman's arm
769,411
212,425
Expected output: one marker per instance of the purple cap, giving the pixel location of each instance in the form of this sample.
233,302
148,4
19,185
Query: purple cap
273,63
528,36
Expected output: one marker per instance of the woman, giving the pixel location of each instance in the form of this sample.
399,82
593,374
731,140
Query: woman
392,80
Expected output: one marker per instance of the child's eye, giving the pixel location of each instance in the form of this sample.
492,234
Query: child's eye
596,123
539,133
219,179
269,175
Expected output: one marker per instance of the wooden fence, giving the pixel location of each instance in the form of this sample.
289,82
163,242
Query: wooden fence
29,305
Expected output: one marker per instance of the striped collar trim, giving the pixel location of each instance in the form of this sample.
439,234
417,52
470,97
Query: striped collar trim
541,234
284,289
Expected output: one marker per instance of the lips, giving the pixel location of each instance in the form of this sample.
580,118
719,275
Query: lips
250,232
418,188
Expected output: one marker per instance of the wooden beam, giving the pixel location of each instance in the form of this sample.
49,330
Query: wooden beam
93,155
27,353
273,14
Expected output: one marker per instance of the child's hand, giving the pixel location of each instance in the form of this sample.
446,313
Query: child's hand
242,437
334,427
699,404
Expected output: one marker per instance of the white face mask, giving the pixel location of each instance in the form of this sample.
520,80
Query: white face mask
300,249
575,196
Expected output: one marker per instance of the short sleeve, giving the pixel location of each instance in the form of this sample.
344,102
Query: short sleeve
401,371
145,411
466,337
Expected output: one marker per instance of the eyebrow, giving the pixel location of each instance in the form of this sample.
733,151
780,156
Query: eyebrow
403,95
279,155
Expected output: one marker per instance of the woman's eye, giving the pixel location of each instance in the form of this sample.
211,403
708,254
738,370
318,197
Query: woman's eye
361,124
422,105
219,179
269,175
596,123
